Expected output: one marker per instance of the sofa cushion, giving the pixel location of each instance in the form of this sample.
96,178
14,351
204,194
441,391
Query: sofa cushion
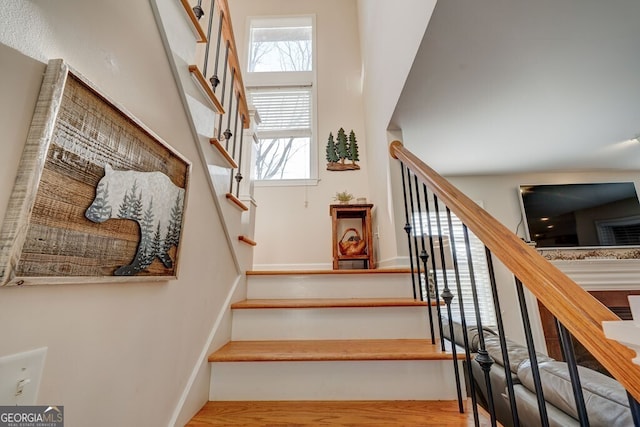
606,400
517,353
472,332
529,414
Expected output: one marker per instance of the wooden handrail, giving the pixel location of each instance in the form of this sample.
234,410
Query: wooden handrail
234,62
575,308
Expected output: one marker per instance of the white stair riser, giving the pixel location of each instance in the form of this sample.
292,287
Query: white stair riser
634,304
330,286
626,332
330,323
334,380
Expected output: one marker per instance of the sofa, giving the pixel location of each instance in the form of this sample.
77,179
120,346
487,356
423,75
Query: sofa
606,400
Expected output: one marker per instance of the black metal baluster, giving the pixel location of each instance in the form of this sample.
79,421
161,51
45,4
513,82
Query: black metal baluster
503,341
447,296
239,174
197,10
415,237
235,129
535,372
215,81
634,406
224,85
227,133
569,356
463,318
206,51
423,258
407,227
484,360
436,289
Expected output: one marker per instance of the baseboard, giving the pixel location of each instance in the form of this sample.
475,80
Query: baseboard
395,262
288,267
204,354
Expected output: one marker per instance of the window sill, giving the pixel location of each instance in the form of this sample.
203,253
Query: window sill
285,182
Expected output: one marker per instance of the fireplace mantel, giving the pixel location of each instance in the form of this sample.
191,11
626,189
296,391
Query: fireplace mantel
602,274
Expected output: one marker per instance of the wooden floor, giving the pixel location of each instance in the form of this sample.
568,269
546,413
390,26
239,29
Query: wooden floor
329,413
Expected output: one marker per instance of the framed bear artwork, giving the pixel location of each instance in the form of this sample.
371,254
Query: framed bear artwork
98,197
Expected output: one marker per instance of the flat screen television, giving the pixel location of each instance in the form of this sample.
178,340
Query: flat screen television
581,215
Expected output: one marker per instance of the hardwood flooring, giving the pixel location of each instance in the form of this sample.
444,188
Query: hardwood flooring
336,413
324,350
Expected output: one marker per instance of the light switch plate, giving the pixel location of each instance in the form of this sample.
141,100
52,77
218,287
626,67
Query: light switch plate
20,376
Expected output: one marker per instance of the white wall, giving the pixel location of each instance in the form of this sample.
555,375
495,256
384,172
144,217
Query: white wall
390,34
119,354
292,233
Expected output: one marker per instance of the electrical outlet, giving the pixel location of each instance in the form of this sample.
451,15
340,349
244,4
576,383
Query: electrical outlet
20,376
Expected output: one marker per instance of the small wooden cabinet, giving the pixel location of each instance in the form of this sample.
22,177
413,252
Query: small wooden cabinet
355,211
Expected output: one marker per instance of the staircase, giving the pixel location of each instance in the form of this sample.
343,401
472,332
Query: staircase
330,336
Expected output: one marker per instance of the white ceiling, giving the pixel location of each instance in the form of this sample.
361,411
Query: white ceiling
503,86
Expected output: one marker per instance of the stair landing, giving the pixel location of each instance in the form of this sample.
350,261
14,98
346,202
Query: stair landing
324,413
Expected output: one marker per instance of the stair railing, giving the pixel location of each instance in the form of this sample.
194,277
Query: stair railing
219,57
578,314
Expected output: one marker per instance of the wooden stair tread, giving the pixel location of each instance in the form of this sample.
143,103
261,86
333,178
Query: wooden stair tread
328,303
236,202
247,240
202,37
223,152
206,88
320,272
330,350
338,413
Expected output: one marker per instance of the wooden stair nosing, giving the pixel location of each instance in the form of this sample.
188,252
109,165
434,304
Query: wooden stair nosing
328,303
236,202
247,240
194,21
202,82
224,153
331,350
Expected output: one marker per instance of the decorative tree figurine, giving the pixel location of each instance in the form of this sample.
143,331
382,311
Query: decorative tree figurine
332,155
342,147
353,148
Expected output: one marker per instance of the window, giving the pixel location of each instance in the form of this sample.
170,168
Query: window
480,269
620,231
280,44
285,133
281,85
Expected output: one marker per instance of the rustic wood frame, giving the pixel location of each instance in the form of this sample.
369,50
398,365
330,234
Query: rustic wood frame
64,158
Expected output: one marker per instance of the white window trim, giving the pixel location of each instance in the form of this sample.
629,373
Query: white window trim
285,182
289,79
